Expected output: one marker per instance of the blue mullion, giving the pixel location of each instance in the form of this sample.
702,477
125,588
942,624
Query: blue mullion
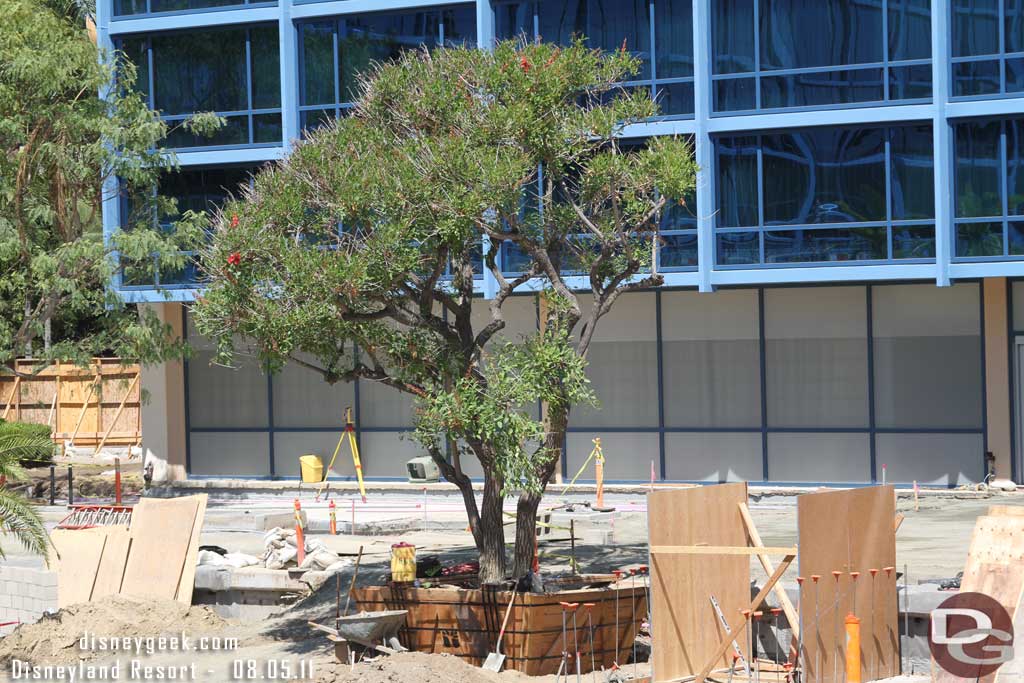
760,202
661,382
249,81
654,81
885,51
888,189
1002,47
757,56
872,438
188,420
762,351
984,381
1005,186
336,56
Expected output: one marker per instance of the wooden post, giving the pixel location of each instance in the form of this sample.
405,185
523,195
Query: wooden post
769,569
85,406
736,627
10,399
117,414
53,406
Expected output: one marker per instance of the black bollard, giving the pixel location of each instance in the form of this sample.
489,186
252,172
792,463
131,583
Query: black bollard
71,487
53,484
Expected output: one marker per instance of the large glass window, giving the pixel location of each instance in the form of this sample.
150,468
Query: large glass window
990,189
335,52
667,64
136,7
193,190
988,47
783,54
232,72
832,195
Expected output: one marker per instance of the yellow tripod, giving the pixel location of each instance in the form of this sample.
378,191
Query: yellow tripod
350,432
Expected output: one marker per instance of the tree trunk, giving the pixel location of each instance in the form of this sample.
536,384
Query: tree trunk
555,419
491,532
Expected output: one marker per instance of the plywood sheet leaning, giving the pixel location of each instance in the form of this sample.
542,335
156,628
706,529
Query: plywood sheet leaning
76,553
995,567
848,531
684,626
188,573
111,567
161,537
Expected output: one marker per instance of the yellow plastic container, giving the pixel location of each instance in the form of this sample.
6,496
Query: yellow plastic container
403,563
311,468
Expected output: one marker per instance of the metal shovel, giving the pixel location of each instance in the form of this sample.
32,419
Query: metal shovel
495,660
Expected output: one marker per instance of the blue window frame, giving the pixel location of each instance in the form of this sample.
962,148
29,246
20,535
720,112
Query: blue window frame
233,72
825,195
135,8
793,54
989,182
988,47
677,232
658,32
194,189
334,52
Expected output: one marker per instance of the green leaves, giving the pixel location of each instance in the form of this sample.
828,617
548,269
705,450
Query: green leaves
362,249
17,517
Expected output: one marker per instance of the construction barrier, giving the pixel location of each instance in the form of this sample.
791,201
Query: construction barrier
93,406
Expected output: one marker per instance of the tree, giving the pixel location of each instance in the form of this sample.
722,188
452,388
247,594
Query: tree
65,150
17,516
361,249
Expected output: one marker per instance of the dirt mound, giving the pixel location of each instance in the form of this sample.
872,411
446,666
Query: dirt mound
55,639
414,667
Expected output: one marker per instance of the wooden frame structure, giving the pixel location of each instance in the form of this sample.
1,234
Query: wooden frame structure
95,406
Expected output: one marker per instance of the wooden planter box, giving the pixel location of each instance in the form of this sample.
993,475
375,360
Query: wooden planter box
465,623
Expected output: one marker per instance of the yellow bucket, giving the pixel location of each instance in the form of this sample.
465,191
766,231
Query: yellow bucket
312,469
403,563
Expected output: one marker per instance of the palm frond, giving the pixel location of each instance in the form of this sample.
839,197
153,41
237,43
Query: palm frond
17,447
20,519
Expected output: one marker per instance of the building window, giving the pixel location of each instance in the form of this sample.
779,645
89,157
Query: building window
666,52
335,52
990,189
234,73
787,54
192,190
988,47
137,7
825,195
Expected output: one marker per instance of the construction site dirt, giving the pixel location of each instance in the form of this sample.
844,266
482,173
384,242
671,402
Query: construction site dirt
931,543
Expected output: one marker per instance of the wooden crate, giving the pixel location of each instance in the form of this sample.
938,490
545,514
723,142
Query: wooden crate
465,623
57,395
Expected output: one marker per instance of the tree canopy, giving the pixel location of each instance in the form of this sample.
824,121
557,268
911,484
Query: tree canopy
363,250
65,150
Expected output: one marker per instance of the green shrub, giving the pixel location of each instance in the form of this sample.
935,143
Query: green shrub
33,439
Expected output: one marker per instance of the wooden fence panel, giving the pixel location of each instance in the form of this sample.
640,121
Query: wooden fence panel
77,402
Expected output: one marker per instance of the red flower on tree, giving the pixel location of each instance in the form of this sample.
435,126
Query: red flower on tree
234,220
525,63
235,259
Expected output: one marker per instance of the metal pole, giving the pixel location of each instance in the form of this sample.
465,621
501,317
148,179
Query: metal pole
117,481
71,487
53,484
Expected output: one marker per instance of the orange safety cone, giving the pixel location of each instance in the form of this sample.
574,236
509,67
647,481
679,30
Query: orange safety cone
334,519
300,541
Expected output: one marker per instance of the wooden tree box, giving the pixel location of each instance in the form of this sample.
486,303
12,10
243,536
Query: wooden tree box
465,623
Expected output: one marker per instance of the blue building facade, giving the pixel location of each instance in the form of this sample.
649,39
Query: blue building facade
839,303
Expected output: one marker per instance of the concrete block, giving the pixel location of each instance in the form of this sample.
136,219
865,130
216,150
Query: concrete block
261,578
213,578
47,578
49,596
5,602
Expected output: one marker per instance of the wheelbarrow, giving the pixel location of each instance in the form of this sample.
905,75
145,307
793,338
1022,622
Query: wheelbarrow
371,630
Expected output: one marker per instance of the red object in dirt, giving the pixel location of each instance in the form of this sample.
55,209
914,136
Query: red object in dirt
462,568
300,541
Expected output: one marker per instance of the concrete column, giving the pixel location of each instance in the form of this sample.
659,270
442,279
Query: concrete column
997,374
163,414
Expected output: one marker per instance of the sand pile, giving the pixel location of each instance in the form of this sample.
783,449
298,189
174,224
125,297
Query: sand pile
414,667
55,639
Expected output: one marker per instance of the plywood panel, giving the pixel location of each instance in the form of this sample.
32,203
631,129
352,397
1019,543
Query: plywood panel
161,532
76,554
111,565
684,624
995,567
848,531
188,573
